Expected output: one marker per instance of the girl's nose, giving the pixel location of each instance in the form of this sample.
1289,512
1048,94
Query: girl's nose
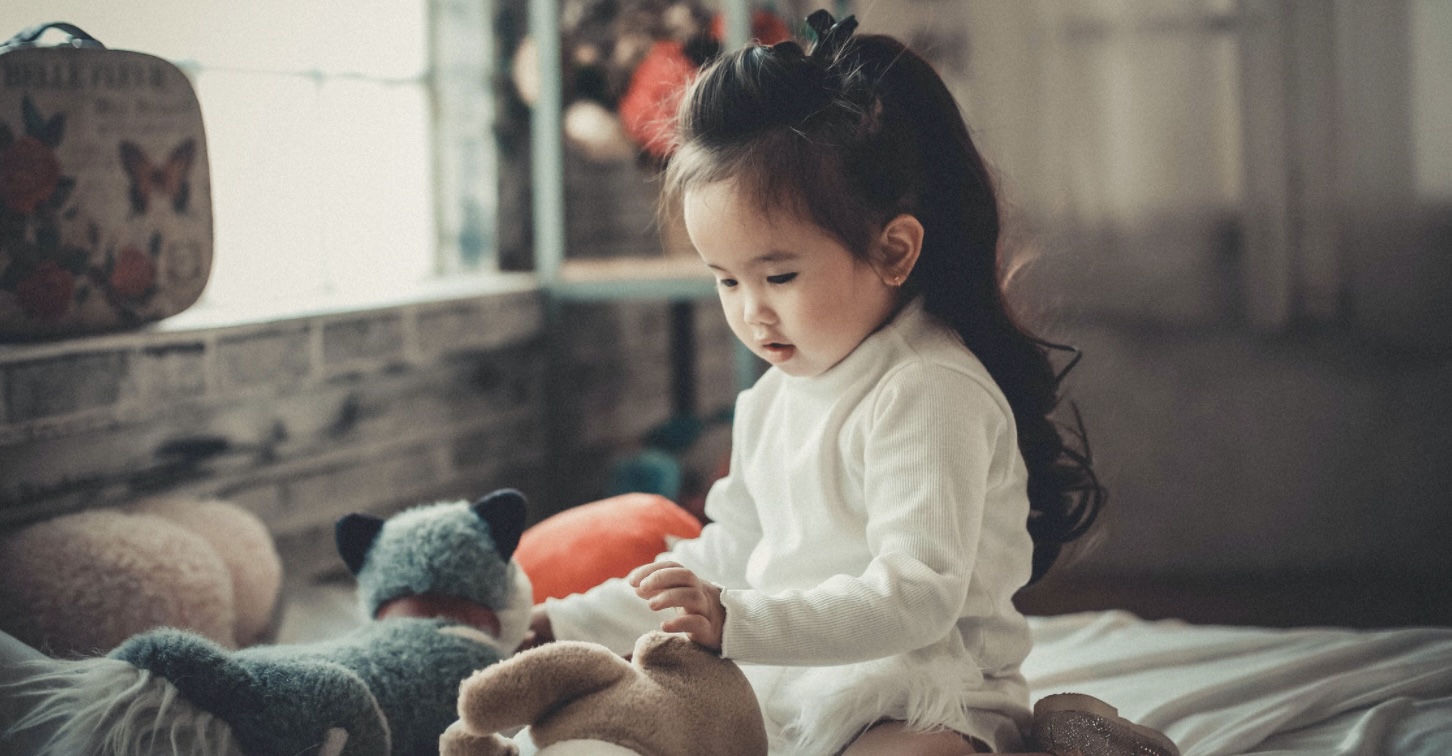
755,310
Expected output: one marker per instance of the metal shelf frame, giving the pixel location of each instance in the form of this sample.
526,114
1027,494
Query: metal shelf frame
548,190
547,135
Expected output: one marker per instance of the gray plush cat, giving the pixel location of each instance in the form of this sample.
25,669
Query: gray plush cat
446,601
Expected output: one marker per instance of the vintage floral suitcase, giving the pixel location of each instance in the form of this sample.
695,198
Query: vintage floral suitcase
105,194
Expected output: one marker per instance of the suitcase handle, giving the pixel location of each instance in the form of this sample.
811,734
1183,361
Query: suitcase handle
28,37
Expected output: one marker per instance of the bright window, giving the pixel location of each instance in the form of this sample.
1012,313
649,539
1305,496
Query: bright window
319,133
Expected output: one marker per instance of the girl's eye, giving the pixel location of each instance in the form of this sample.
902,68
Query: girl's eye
781,279
726,283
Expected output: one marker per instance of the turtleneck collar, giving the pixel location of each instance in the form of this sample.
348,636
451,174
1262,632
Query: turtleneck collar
908,316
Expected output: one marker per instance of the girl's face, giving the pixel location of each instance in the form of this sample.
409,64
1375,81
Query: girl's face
792,292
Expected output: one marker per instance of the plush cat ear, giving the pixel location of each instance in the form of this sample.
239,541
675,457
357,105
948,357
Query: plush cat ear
355,534
505,511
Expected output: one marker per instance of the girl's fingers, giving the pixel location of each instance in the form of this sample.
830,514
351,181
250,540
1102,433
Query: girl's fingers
691,624
697,628
666,578
666,585
646,570
691,600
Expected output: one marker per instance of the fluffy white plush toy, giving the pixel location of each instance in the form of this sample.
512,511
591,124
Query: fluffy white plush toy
81,583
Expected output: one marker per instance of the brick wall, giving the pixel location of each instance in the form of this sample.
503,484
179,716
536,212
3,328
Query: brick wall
305,419
299,420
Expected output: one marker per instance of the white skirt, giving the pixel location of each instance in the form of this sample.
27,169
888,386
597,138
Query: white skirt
818,711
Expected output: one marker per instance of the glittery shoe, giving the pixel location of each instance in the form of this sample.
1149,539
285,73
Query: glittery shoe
1072,724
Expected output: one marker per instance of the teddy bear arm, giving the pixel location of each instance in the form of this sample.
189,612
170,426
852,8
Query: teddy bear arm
527,687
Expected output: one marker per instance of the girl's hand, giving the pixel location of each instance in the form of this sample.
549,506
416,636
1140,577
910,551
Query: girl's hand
667,584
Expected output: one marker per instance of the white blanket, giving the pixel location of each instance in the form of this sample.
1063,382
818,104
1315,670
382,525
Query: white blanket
1218,691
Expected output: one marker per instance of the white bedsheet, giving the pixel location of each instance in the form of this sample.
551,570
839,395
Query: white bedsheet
1218,691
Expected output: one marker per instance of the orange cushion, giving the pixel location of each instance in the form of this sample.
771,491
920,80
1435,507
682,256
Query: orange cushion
581,547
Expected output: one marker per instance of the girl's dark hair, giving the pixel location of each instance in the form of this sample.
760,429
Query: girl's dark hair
851,135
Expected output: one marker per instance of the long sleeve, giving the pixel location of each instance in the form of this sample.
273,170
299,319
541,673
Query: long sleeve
930,437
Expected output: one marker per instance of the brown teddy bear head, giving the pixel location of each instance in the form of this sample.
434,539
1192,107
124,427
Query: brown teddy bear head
674,698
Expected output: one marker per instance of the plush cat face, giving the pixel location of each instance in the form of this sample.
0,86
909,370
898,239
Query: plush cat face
454,550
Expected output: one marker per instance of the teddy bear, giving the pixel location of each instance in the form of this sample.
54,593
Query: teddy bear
673,698
444,597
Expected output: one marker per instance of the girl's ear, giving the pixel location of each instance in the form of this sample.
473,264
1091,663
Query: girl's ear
898,247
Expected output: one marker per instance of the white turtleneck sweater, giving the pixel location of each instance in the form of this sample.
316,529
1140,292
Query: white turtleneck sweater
869,539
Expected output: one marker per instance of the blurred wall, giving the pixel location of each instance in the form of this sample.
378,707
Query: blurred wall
299,420
1242,212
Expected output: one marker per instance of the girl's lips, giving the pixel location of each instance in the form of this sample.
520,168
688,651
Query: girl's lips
777,352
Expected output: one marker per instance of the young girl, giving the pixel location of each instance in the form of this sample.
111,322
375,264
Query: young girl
894,477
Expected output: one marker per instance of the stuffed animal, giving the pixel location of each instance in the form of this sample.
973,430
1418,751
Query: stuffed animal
244,544
674,698
446,599
81,583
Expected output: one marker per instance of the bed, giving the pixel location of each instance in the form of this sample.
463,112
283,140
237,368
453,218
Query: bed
1235,690
1215,690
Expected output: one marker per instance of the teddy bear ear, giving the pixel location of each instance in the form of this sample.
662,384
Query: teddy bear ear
663,650
354,535
504,511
